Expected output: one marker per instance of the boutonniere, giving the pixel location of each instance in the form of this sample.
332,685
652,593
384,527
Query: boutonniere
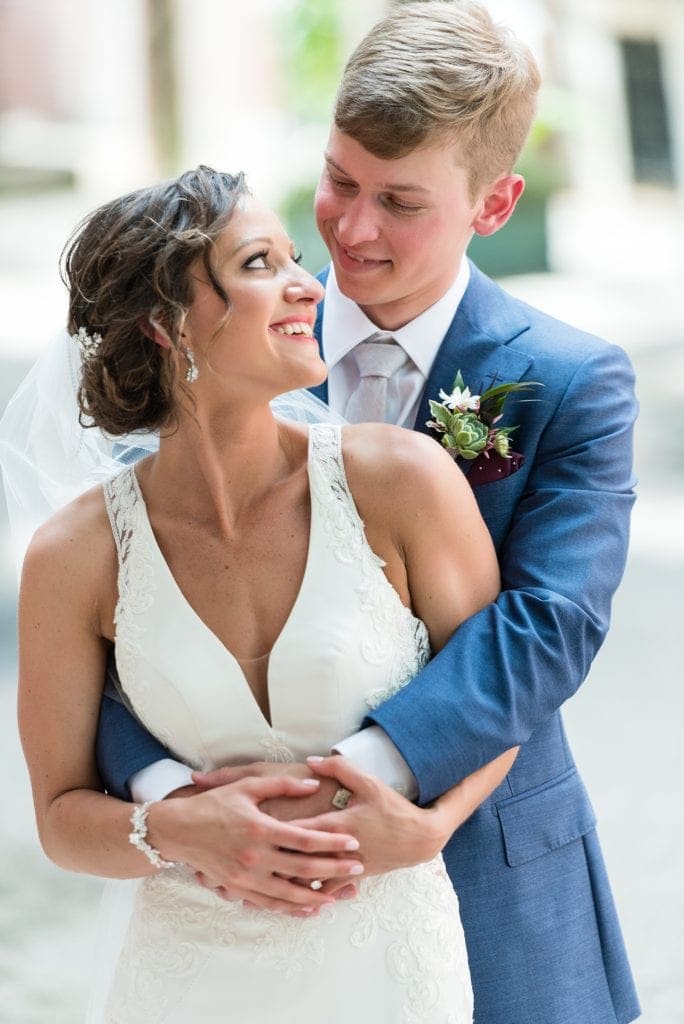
467,425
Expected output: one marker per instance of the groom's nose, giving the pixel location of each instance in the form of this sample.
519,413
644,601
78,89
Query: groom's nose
358,223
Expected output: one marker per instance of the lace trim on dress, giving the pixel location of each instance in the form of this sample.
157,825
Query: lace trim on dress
136,587
427,944
398,638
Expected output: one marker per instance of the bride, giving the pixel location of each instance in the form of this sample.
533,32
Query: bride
261,584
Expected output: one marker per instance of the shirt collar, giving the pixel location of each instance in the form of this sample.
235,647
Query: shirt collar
345,324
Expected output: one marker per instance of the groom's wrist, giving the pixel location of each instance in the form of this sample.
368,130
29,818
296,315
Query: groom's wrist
159,780
373,752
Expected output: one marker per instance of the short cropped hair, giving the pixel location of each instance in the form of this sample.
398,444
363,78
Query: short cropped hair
441,72
126,262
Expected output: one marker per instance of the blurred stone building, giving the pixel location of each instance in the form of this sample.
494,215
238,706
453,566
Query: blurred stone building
107,96
622,64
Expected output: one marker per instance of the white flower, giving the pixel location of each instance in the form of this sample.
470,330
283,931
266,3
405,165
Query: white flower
460,399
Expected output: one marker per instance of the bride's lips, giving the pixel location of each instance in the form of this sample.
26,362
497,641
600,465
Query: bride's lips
355,263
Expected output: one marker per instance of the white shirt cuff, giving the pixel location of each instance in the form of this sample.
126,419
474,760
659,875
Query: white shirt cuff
372,750
158,780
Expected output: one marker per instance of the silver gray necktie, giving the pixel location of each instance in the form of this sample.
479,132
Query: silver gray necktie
378,357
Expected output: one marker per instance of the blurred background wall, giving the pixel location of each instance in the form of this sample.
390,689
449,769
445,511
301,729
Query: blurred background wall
99,98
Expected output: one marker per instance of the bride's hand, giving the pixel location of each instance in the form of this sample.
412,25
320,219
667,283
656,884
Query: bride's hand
392,832
225,836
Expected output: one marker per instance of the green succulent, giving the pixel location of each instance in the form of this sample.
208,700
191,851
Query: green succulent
467,434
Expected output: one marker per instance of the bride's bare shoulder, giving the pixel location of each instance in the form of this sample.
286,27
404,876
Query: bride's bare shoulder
382,455
75,543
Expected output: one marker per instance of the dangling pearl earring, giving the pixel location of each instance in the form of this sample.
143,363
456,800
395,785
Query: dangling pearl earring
192,373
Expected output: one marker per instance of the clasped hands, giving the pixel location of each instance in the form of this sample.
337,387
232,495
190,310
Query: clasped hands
262,832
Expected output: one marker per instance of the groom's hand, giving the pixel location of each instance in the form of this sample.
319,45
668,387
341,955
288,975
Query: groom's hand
283,808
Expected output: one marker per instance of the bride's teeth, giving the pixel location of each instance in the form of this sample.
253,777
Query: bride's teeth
296,328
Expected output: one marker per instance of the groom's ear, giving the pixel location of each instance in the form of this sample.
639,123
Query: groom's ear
498,204
155,331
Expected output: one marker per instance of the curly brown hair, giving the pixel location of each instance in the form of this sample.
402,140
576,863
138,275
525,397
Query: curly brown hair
129,261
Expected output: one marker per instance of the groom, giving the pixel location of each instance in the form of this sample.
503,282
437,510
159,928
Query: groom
433,109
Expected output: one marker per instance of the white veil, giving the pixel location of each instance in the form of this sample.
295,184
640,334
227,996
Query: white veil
48,458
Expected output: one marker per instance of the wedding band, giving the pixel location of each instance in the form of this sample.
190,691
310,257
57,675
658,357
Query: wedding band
315,885
342,798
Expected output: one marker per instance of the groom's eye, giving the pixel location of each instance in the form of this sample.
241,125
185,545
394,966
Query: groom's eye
344,186
399,207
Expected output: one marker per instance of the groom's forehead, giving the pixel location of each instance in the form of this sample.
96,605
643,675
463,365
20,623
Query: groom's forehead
428,167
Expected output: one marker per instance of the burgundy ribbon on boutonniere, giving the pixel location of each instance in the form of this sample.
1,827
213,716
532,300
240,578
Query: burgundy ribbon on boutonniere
467,427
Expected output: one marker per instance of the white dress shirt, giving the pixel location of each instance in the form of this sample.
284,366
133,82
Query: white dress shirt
344,326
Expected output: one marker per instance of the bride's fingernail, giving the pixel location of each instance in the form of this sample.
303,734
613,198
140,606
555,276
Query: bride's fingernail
316,758
356,869
312,783
353,844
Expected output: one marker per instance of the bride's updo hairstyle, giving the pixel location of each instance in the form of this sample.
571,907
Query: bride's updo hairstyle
129,261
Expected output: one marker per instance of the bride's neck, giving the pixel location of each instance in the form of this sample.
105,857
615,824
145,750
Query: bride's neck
220,466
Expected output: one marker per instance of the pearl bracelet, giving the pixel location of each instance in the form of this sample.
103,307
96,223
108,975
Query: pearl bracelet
138,837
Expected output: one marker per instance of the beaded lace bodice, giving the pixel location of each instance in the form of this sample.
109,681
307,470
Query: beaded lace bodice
348,644
345,616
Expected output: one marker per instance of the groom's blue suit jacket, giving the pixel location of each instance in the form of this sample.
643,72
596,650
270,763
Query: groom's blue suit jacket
543,937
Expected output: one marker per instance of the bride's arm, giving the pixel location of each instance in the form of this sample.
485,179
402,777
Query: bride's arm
66,597
62,657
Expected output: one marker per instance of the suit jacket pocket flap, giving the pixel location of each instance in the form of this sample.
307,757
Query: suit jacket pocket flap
545,818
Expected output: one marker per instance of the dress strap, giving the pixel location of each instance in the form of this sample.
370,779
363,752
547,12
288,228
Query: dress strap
329,483
330,491
121,497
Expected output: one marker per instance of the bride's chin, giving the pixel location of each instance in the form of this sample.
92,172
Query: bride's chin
309,376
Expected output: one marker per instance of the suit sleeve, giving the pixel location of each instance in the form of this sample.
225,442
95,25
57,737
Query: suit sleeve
123,746
513,664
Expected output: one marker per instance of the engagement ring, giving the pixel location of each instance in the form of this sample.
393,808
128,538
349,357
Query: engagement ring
341,798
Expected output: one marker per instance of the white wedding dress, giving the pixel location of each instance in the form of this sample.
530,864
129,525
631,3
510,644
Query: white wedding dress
395,955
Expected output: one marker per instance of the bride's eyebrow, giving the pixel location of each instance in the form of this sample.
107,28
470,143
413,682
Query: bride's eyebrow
263,239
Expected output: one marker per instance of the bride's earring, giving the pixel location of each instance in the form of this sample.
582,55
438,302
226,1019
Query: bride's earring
192,373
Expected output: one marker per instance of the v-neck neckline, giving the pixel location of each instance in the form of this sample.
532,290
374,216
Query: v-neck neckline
194,615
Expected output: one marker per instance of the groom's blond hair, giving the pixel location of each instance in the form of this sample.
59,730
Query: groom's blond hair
441,72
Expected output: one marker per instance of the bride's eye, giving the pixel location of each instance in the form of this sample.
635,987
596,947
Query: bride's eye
257,261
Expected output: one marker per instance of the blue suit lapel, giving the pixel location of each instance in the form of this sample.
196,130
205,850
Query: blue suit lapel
477,345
